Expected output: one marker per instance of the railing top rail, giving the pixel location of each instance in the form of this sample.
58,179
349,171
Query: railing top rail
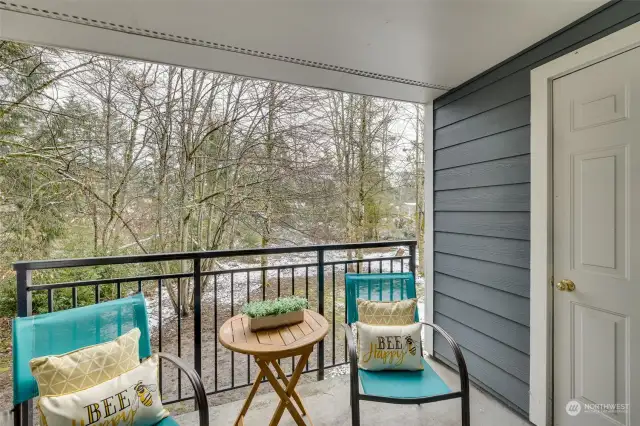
31,265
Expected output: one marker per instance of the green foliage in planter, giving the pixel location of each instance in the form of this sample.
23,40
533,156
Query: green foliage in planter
284,305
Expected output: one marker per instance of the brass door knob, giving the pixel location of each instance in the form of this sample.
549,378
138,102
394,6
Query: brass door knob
566,285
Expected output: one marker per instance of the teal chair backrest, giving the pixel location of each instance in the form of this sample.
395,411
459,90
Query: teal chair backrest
65,331
383,287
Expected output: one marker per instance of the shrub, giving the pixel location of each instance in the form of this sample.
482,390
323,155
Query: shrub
63,298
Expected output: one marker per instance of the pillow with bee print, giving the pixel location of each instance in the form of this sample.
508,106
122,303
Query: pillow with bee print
133,398
389,347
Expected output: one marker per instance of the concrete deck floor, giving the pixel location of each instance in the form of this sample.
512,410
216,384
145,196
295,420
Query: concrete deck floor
328,405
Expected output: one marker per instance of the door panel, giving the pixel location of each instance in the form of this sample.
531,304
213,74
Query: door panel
600,370
599,200
596,160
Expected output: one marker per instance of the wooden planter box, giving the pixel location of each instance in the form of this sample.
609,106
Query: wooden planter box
274,321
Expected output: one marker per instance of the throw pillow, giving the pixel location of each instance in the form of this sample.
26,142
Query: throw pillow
86,367
392,347
399,312
132,398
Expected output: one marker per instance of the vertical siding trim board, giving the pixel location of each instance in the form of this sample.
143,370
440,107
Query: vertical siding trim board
429,212
481,169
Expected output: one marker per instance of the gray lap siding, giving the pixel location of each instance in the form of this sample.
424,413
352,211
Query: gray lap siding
481,209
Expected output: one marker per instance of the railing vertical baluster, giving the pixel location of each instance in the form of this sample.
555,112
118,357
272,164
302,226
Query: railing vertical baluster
380,266
96,296
333,313
233,357
179,335
346,350
74,297
320,278
119,289
293,292
50,300
248,286
412,258
306,294
23,277
248,300
264,284
160,333
215,327
278,282
197,318
369,269
139,286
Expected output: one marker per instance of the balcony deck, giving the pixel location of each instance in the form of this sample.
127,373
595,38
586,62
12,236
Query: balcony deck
328,404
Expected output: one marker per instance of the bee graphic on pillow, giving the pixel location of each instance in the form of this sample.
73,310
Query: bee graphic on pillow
143,394
411,345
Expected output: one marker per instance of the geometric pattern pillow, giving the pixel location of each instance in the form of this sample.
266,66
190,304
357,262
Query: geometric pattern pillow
399,312
86,367
132,398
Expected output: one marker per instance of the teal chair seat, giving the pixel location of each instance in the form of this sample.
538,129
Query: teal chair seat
168,422
403,384
396,387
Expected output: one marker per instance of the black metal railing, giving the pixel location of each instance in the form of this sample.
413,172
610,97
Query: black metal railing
217,292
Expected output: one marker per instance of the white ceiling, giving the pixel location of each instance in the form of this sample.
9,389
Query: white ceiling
434,42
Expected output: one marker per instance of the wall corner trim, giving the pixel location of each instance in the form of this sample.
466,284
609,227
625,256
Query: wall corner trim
428,226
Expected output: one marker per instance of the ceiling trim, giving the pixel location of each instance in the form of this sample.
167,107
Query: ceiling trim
13,7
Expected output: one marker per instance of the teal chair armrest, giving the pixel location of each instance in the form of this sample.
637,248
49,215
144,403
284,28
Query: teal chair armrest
457,352
200,394
353,361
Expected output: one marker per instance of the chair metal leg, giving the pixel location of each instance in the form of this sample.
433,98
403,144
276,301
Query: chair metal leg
355,407
466,409
23,414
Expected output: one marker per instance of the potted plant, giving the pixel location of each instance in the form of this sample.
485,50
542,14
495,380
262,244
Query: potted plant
275,313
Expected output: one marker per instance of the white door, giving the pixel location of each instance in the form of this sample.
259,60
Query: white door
596,157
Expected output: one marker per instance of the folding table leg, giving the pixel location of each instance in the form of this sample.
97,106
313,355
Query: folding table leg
245,407
295,395
285,400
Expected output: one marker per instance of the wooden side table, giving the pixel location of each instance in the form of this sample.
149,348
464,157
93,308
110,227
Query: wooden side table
267,347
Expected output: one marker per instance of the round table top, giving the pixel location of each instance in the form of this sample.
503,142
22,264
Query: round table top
280,342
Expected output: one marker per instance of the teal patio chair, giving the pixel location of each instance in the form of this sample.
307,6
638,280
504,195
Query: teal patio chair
65,331
396,387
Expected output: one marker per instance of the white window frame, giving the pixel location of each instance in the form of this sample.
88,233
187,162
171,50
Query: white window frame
541,361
